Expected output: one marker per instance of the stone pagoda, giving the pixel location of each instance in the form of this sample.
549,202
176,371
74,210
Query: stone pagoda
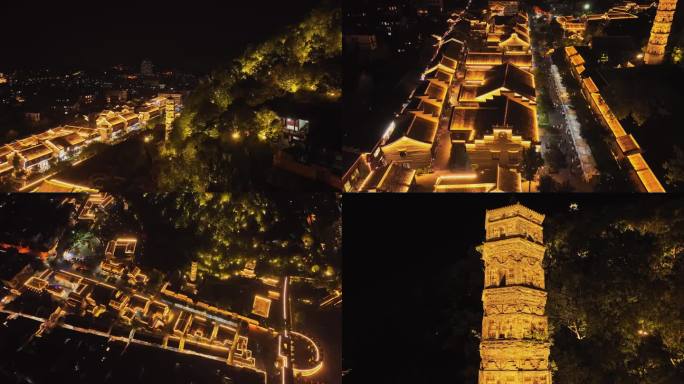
514,347
660,31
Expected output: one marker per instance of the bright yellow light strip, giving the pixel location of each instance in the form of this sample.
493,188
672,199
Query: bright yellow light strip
464,176
310,371
285,301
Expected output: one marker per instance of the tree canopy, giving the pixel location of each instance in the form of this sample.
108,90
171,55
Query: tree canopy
228,130
298,236
616,280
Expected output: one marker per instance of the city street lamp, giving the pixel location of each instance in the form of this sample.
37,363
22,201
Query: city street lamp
587,6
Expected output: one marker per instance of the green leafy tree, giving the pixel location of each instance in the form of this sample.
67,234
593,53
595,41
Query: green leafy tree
268,124
674,168
614,277
547,184
226,135
531,162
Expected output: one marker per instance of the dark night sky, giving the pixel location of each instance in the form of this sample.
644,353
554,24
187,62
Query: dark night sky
191,34
398,251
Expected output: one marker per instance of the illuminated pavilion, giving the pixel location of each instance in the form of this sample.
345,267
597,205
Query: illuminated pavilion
515,342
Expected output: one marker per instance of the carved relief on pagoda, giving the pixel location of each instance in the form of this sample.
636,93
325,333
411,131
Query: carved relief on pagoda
511,247
513,300
664,17
514,355
658,40
523,326
667,5
661,28
660,31
656,50
519,377
525,272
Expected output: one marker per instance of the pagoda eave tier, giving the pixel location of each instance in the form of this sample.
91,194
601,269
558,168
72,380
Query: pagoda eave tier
503,355
515,377
510,246
513,210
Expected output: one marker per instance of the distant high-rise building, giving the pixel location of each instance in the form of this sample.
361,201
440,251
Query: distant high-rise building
660,31
146,68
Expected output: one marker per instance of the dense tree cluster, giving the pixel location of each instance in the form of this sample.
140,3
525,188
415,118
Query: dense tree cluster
674,170
229,122
300,237
616,293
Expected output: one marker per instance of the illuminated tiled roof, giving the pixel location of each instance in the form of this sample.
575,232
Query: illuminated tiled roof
451,49
577,60
627,144
131,118
58,186
650,181
570,51
422,130
443,76
5,150
392,178
580,69
68,140
475,75
4,168
484,58
513,37
116,120
646,177
520,60
35,152
513,210
148,108
500,111
435,92
590,85
448,62
637,161
484,181
511,78
467,93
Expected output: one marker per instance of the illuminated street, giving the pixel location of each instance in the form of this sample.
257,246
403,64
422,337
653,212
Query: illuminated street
515,96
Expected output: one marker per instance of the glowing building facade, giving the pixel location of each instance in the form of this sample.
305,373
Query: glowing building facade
660,31
514,347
